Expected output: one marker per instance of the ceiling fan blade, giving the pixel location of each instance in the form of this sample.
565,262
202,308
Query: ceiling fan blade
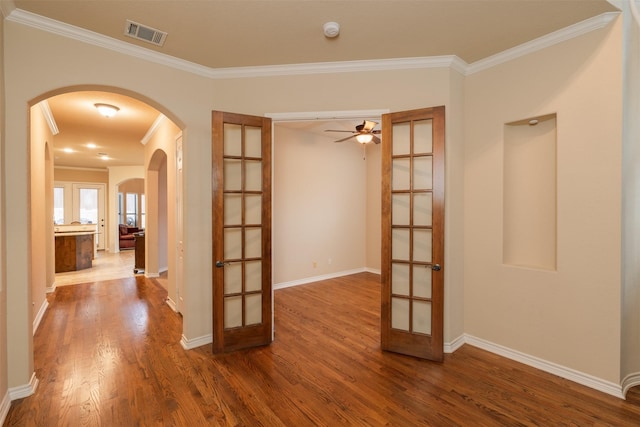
368,126
376,140
344,139
377,131
335,130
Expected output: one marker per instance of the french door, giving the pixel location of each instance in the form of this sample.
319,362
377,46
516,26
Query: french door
413,232
89,207
241,181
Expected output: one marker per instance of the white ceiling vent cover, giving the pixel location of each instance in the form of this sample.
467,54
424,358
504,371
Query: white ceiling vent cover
144,33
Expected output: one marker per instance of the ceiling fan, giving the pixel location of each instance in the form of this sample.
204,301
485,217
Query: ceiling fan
364,133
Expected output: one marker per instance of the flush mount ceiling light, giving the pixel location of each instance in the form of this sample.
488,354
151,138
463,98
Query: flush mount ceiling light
107,110
331,29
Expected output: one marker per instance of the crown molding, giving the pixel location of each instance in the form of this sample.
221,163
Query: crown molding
544,42
446,61
152,129
326,115
48,116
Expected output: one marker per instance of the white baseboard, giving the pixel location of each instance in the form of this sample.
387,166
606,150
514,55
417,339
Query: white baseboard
151,275
38,319
51,289
546,366
189,344
25,390
374,271
304,281
171,304
450,347
629,381
5,405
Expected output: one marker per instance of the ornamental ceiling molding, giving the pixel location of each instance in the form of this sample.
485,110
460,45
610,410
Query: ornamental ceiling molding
447,61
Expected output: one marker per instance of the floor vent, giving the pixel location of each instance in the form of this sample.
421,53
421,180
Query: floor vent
144,33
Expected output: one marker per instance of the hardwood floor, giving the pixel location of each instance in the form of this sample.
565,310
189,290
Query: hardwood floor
108,354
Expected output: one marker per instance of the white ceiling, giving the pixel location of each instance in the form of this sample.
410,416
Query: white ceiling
249,33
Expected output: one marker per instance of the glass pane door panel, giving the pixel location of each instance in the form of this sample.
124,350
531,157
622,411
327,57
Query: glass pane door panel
400,313
422,317
422,209
401,177
232,140
253,309
232,175
253,276
232,209
422,245
422,173
232,243
89,205
233,278
400,279
253,141
422,137
253,243
421,281
253,175
401,138
253,209
400,209
400,244
232,312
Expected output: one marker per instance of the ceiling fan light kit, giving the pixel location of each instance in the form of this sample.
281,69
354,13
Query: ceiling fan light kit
364,133
331,29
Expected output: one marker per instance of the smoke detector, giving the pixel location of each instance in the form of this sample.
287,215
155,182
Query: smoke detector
331,29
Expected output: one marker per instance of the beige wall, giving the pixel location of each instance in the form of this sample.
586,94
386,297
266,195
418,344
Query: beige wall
41,213
3,293
81,175
160,189
571,316
319,206
630,367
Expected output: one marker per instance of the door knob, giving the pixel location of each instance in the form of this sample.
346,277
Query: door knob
221,264
435,267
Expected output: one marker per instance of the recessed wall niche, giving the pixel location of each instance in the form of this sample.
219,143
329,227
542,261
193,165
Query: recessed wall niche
529,198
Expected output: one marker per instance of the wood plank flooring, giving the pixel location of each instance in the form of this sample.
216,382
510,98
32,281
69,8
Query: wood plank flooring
108,354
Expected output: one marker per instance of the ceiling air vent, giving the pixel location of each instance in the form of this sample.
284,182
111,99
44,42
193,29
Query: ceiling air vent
144,33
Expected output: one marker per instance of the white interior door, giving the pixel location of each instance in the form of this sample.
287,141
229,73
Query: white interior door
89,208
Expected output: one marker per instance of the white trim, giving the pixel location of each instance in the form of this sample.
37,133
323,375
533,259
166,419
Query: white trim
304,281
189,344
154,127
452,346
38,319
543,42
51,289
629,381
5,405
25,390
171,304
546,366
151,275
48,116
325,115
77,168
373,270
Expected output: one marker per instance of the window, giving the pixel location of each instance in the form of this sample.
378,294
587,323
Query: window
58,205
132,209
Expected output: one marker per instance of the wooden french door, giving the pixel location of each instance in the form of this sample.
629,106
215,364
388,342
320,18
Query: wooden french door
413,232
241,180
